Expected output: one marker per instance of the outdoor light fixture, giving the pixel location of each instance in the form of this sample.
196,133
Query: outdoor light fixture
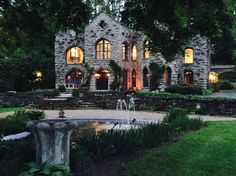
97,75
39,75
213,77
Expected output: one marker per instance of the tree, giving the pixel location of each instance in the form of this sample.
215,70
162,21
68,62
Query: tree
156,74
170,24
117,72
112,7
27,34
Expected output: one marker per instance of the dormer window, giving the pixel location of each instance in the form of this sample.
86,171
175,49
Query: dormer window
103,49
134,53
74,56
188,56
146,50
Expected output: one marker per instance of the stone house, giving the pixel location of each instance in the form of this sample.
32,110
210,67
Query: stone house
104,39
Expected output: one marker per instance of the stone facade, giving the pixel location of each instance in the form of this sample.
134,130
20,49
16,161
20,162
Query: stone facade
201,61
103,27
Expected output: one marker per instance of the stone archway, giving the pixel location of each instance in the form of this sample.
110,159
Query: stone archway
73,78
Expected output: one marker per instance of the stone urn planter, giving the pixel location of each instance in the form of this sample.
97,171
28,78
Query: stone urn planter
52,140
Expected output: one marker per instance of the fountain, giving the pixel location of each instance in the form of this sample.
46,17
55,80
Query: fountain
52,136
119,106
125,123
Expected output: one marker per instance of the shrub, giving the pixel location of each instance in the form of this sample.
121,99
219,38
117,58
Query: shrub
155,134
185,89
228,76
225,85
17,122
75,93
56,92
61,88
46,169
179,120
14,155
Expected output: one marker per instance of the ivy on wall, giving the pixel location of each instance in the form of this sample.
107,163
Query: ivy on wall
156,75
85,82
116,69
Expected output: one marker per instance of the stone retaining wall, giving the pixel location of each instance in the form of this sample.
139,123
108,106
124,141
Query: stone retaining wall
108,100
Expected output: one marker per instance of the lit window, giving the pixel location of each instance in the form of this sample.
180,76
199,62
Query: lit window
103,49
146,50
188,56
134,53
124,51
75,56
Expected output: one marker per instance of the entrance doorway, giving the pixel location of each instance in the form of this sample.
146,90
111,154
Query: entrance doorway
188,76
134,78
125,79
102,80
167,77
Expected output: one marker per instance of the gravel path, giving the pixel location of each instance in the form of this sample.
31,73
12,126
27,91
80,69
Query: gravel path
113,114
119,114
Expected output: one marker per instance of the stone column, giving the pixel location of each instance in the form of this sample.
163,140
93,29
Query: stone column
52,140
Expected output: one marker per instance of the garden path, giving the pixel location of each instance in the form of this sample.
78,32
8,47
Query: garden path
113,114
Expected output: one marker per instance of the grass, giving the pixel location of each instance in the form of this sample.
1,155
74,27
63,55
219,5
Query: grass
228,91
9,109
210,151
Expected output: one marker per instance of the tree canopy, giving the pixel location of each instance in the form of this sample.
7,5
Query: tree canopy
28,27
27,34
170,24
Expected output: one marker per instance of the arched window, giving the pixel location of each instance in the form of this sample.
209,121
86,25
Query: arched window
74,56
133,78
103,49
74,77
125,51
146,50
134,53
145,77
188,56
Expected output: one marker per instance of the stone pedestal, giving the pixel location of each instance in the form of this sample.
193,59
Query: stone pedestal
52,140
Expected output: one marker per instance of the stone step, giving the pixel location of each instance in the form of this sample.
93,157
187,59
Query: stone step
87,103
65,95
56,99
87,107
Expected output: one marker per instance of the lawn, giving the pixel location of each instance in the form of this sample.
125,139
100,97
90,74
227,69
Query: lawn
9,109
208,152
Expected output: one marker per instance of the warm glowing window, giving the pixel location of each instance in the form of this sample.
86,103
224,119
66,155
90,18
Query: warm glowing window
125,51
103,49
134,53
74,56
188,56
146,50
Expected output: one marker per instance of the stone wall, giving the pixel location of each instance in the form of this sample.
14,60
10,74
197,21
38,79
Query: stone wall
108,100
63,42
201,61
104,27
